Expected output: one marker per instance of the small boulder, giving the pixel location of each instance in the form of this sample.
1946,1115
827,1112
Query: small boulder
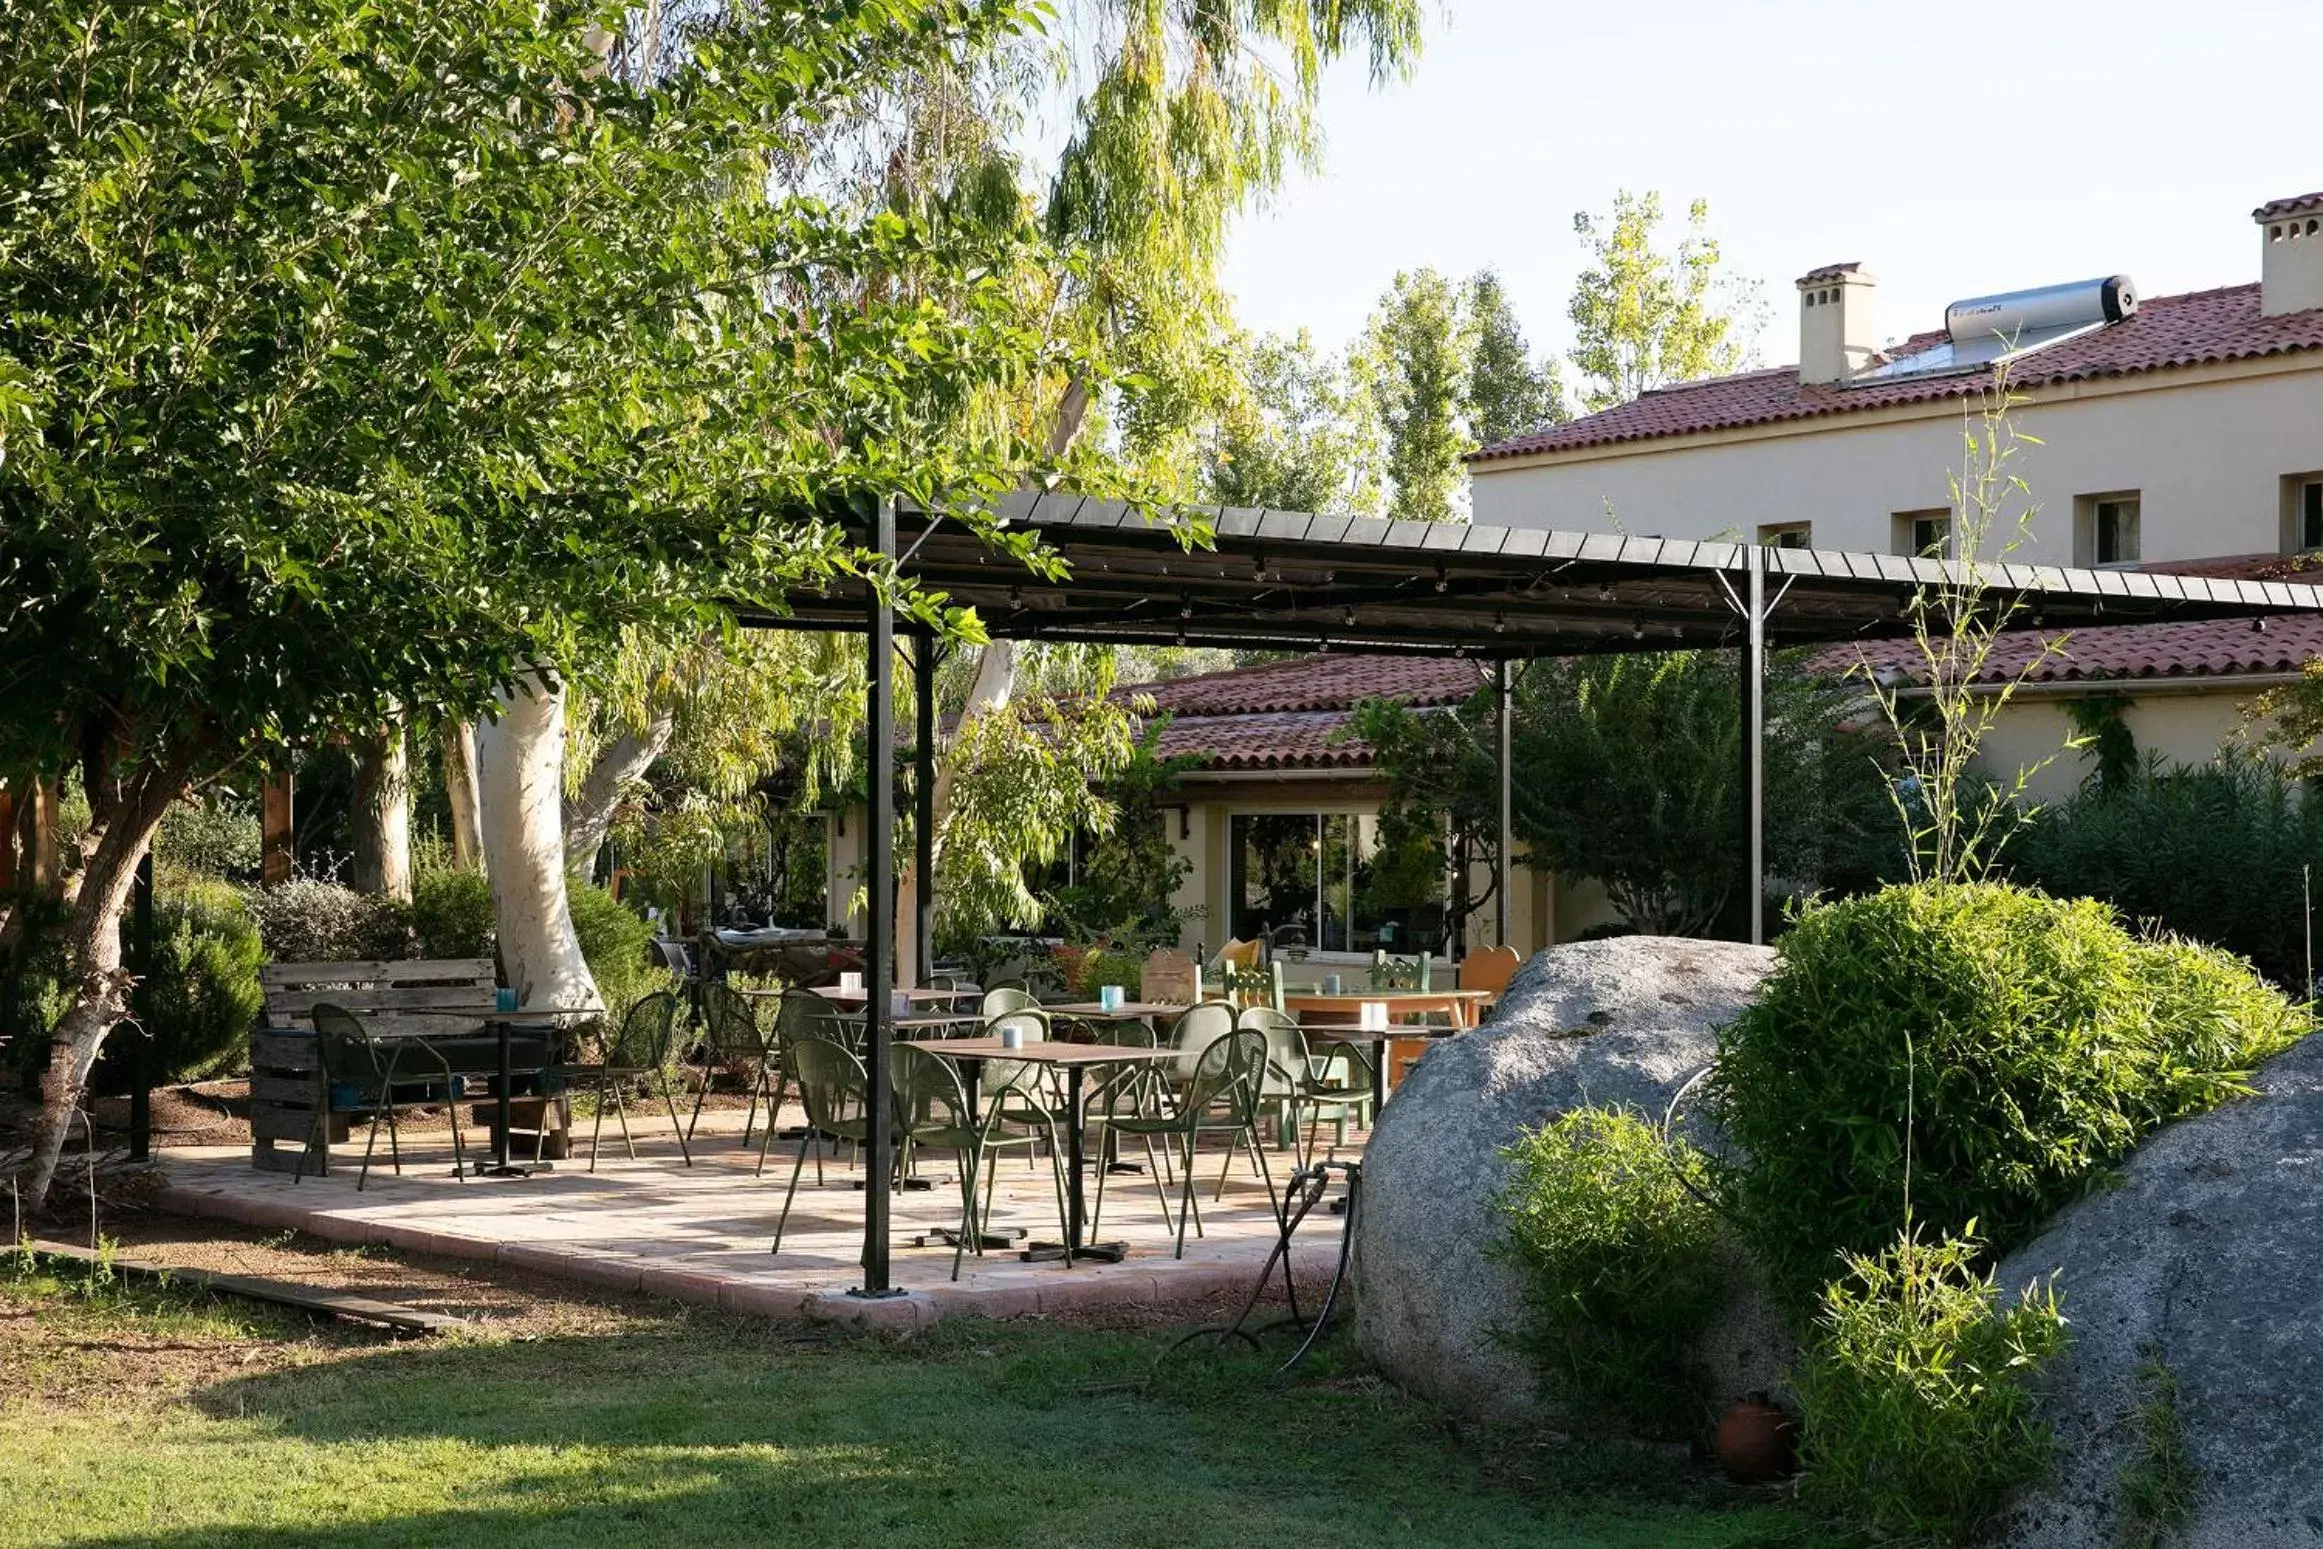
1624,1022
2205,1258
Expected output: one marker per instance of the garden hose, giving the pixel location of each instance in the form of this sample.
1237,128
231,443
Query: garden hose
1309,1184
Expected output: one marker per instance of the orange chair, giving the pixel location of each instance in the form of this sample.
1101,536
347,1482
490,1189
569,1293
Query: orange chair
1490,969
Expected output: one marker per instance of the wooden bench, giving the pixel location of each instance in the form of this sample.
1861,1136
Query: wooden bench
411,998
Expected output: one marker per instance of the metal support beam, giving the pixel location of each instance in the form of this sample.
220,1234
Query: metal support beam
1502,740
141,1041
923,803
879,954
1752,677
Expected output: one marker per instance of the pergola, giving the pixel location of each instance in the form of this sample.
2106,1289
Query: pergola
1285,580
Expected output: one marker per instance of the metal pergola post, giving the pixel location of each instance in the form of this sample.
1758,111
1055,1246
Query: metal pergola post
1752,676
1501,743
879,953
923,804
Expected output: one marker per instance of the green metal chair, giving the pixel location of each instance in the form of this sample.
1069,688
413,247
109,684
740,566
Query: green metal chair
1400,973
1221,1098
801,1014
1008,997
640,1048
1307,1078
733,1041
932,1109
1150,1091
363,1074
833,1089
1246,987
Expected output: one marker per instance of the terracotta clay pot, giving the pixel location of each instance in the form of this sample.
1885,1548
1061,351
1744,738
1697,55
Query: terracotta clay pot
1757,1442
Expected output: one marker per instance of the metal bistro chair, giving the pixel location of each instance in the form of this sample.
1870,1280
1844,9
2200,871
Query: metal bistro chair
931,1109
732,1040
1260,986
1008,997
1150,1091
1303,1078
363,1074
1222,1098
833,1089
640,1047
802,1014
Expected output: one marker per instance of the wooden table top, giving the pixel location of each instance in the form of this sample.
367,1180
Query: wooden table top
1051,1052
916,997
1127,1011
1357,997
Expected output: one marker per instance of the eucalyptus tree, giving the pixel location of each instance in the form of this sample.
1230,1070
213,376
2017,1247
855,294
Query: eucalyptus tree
1300,433
362,360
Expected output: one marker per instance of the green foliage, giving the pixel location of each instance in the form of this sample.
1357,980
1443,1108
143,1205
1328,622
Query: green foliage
1507,394
1124,966
1300,433
1624,1263
451,913
1027,783
1917,1416
1417,350
2160,1485
615,940
1626,768
215,836
310,921
1967,1051
203,996
1131,871
1642,317
2218,852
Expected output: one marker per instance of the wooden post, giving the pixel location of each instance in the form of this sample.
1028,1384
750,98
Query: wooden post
38,827
7,838
277,857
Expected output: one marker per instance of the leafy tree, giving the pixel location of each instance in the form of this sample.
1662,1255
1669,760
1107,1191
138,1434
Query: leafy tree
1417,347
366,360
1627,769
1643,317
1507,394
1299,435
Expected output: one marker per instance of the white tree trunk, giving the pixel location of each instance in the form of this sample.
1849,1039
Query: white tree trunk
459,740
589,816
994,686
520,762
383,814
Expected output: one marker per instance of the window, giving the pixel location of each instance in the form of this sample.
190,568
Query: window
1787,535
2303,513
1323,881
2105,529
1923,534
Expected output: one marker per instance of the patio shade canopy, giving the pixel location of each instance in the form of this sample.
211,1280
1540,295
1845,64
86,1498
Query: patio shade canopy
1284,580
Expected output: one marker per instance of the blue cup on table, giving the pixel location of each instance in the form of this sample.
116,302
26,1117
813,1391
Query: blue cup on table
1109,997
1332,984
504,999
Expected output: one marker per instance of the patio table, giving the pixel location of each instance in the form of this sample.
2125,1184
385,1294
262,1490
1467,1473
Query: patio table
920,997
1459,1005
504,1024
1381,1040
1073,1059
1127,1011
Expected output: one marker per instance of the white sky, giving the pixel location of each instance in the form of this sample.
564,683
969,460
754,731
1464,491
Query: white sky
1952,149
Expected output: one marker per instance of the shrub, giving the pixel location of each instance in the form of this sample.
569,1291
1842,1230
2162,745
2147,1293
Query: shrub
1623,1262
2215,852
1915,1405
202,996
308,921
214,836
2005,1045
1111,965
451,912
614,940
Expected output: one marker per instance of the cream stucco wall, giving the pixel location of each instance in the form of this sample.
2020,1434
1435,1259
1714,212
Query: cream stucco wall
2207,450
2179,727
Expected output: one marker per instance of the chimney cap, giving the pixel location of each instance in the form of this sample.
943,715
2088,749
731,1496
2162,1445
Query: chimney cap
1831,272
2297,204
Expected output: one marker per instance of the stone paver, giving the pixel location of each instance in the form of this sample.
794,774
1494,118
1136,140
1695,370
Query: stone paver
702,1234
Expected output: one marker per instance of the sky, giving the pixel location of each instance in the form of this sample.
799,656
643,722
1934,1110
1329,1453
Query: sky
1953,150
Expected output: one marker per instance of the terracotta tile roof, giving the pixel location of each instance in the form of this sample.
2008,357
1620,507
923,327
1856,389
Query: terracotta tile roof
2198,328
2134,653
1327,682
2275,207
1288,714
1829,272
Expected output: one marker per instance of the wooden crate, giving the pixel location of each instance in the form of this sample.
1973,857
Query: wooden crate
288,1103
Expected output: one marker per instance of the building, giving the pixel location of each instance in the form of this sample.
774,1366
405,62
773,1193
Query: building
2178,433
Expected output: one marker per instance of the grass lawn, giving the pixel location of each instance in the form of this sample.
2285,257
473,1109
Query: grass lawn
155,1417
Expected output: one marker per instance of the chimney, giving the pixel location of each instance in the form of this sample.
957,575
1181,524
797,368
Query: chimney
1835,337
2291,270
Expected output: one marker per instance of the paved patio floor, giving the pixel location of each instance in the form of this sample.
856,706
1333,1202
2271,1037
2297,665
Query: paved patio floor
702,1233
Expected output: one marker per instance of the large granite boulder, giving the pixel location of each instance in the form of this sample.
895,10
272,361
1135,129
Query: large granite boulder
2206,1257
1623,1022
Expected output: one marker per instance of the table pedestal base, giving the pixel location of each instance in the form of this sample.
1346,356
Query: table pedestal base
1056,1252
